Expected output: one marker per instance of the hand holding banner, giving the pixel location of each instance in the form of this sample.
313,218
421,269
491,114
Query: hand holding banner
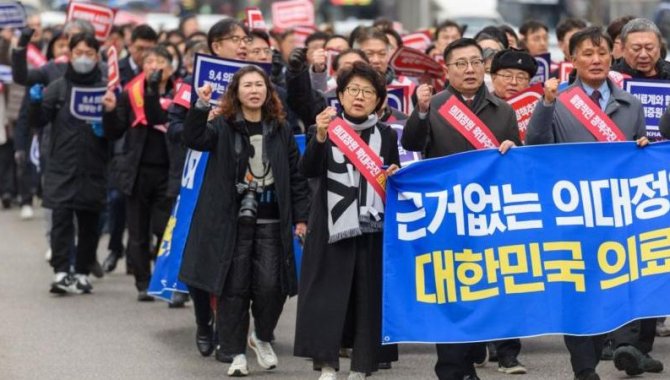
86,103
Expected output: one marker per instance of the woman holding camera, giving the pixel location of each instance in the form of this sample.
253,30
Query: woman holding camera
240,244
341,277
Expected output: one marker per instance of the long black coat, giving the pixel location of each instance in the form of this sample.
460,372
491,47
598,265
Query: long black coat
327,270
76,174
125,166
212,238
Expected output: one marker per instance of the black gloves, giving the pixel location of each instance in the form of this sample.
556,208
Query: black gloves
297,61
153,81
26,35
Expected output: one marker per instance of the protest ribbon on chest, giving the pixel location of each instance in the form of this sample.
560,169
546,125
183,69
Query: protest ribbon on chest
183,95
523,105
591,116
468,124
359,153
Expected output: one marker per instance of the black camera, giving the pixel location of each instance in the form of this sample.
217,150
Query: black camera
248,204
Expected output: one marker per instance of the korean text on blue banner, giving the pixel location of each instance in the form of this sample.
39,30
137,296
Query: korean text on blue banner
569,245
86,103
12,15
654,96
217,72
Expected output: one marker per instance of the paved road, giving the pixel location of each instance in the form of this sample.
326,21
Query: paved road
109,335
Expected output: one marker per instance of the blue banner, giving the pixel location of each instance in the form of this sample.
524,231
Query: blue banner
86,103
12,15
165,279
552,239
654,96
218,72
543,69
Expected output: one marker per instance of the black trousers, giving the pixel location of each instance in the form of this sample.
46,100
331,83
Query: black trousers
639,334
7,170
585,351
508,348
116,220
455,361
148,211
62,238
201,306
253,279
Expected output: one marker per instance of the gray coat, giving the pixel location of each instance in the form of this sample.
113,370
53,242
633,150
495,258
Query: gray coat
555,124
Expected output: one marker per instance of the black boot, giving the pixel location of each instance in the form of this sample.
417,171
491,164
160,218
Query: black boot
109,264
204,340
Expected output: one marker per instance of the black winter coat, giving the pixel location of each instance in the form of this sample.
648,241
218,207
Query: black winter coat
76,175
125,166
212,238
436,138
327,271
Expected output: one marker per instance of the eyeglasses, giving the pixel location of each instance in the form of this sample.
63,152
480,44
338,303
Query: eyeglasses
463,64
367,93
520,78
259,51
237,39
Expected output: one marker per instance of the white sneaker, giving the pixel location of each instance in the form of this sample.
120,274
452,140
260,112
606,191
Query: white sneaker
27,212
353,375
265,355
239,366
328,373
47,255
82,284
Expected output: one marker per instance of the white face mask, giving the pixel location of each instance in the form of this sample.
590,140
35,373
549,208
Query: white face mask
488,82
83,64
175,65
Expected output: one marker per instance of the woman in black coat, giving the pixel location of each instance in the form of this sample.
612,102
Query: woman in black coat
341,278
240,245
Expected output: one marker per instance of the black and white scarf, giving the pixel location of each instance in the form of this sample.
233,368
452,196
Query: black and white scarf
354,207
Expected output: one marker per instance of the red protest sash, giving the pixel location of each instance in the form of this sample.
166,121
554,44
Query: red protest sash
183,95
135,89
523,105
34,56
360,154
592,118
468,124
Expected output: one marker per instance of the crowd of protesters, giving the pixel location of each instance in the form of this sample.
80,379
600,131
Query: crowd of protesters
124,172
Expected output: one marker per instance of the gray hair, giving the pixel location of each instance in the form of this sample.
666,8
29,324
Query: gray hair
637,25
82,25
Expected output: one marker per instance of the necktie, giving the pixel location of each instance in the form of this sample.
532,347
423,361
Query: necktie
595,97
469,102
